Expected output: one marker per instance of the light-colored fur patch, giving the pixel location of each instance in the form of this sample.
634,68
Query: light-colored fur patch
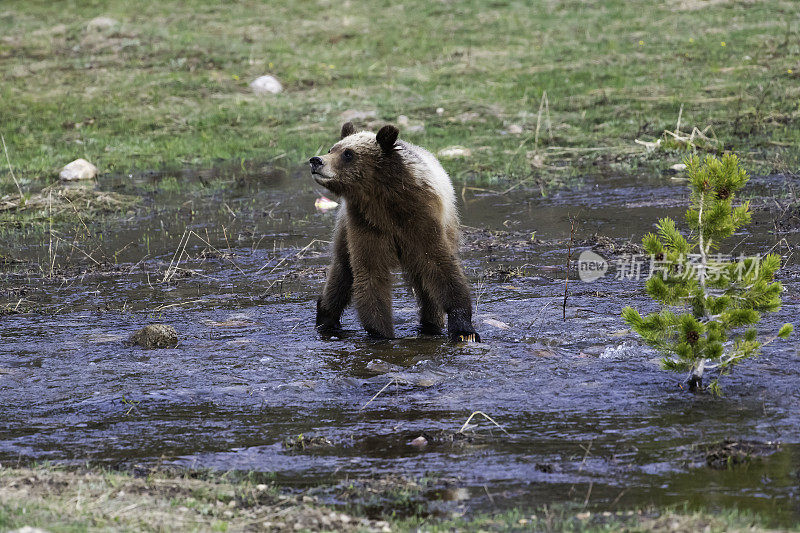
427,169
361,141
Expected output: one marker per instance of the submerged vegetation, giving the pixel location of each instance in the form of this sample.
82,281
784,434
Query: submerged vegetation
705,297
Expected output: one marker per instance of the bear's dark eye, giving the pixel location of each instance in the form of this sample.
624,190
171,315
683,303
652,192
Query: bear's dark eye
348,155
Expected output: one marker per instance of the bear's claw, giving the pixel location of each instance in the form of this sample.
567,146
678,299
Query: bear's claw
467,337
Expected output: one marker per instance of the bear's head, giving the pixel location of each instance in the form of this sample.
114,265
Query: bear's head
358,162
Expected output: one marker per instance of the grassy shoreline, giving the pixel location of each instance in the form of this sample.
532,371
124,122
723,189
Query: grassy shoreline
166,84
90,499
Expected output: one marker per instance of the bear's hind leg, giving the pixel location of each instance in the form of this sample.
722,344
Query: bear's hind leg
444,280
431,314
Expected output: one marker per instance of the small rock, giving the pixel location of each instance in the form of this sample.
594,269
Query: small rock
101,24
266,85
678,167
80,169
355,114
419,442
410,126
454,151
515,129
155,336
496,323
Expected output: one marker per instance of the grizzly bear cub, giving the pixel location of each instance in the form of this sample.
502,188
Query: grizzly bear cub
398,208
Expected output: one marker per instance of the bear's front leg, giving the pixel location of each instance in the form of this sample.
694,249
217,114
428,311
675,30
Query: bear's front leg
339,285
371,259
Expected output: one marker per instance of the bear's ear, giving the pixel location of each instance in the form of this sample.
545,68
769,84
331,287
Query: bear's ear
348,129
386,137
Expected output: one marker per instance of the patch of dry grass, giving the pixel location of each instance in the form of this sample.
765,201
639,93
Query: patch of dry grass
73,499
62,499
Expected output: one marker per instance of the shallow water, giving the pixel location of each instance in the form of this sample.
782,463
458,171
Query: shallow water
589,415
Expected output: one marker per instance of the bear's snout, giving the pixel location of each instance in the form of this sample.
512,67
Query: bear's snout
316,163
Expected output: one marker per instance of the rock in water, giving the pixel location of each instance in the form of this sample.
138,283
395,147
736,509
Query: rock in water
419,442
266,84
80,169
155,336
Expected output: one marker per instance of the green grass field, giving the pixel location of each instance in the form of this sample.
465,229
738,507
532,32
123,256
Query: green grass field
168,85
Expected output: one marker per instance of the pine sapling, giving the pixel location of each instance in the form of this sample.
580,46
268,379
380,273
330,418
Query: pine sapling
710,304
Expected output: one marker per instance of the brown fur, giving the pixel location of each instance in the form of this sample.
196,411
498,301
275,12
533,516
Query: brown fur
389,218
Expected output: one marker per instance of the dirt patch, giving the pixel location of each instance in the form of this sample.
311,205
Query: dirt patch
608,246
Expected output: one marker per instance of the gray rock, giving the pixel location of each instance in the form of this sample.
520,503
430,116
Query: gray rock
454,151
410,126
266,85
356,114
101,24
80,169
155,336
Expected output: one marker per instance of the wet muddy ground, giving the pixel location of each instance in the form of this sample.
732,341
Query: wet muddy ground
234,261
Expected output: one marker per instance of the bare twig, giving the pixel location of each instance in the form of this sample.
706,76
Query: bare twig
544,105
11,170
487,417
176,257
297,255
50,232
393,380
573,225
588,493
